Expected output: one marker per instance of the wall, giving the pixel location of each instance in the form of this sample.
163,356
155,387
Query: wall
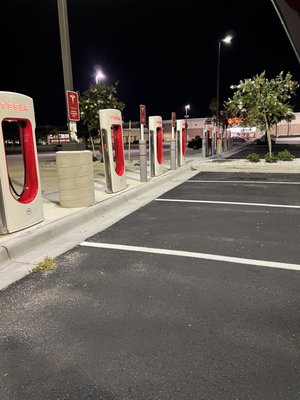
288,129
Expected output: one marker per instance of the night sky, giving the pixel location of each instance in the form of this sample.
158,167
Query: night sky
163,54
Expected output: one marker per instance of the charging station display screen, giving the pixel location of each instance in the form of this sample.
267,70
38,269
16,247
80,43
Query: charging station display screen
20,159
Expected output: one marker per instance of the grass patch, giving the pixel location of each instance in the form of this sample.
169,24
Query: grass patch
47,264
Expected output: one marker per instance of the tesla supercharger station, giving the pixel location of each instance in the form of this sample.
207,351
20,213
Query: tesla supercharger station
230,141
219,140
181,141
206,141
214,139
225,138
156,145
209,141
113,149
20,198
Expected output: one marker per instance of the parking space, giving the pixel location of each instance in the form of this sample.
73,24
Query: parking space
194,296
262,149
253,216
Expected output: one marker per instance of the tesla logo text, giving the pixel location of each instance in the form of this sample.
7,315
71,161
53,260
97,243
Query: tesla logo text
115,118
13,106
72,97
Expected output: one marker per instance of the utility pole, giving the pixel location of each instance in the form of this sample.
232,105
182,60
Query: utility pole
66,57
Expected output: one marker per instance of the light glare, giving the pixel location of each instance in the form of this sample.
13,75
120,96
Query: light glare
99,76
227,39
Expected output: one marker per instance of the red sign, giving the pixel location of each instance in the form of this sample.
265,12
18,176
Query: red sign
142,114
73,106
173,120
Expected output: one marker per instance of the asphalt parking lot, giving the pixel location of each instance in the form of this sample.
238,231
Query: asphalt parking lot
262,149
194,296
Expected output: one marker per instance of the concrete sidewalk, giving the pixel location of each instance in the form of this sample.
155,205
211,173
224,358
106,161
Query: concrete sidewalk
64,228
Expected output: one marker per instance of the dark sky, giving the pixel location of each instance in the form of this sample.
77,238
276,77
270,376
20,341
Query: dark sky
163,54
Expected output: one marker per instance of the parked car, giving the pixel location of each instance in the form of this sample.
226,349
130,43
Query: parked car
195,143
263,140
239,139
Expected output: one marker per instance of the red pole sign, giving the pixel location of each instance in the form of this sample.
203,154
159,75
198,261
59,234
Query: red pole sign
173,120
73,106
142,114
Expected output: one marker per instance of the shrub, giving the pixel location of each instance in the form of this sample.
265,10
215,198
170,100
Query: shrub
285,155
271,158
253,157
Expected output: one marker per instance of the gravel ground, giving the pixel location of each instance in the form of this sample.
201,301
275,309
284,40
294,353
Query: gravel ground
292,167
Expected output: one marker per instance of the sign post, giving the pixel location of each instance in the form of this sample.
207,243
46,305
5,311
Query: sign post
73,113
142,119
173,142
143,145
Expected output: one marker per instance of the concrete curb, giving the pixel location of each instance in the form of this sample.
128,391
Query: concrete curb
18,255
15,248
4,256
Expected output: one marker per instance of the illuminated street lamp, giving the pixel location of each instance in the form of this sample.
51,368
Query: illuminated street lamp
99,76
226,40
187,107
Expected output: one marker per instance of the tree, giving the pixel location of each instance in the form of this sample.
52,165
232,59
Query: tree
262,102
98,96
224,118
213,106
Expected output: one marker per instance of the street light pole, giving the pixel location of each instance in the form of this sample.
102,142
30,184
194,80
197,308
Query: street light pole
218,83
187,107
226,40
66,58
65,44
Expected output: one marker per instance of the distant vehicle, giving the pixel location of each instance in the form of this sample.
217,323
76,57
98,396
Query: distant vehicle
263,140
238,139
195,143
42,141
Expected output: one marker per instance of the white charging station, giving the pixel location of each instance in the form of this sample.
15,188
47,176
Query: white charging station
20,197
181,141
209,140
113,149
156,145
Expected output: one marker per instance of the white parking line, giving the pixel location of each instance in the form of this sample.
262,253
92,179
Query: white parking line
191,254
235,203
244,182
